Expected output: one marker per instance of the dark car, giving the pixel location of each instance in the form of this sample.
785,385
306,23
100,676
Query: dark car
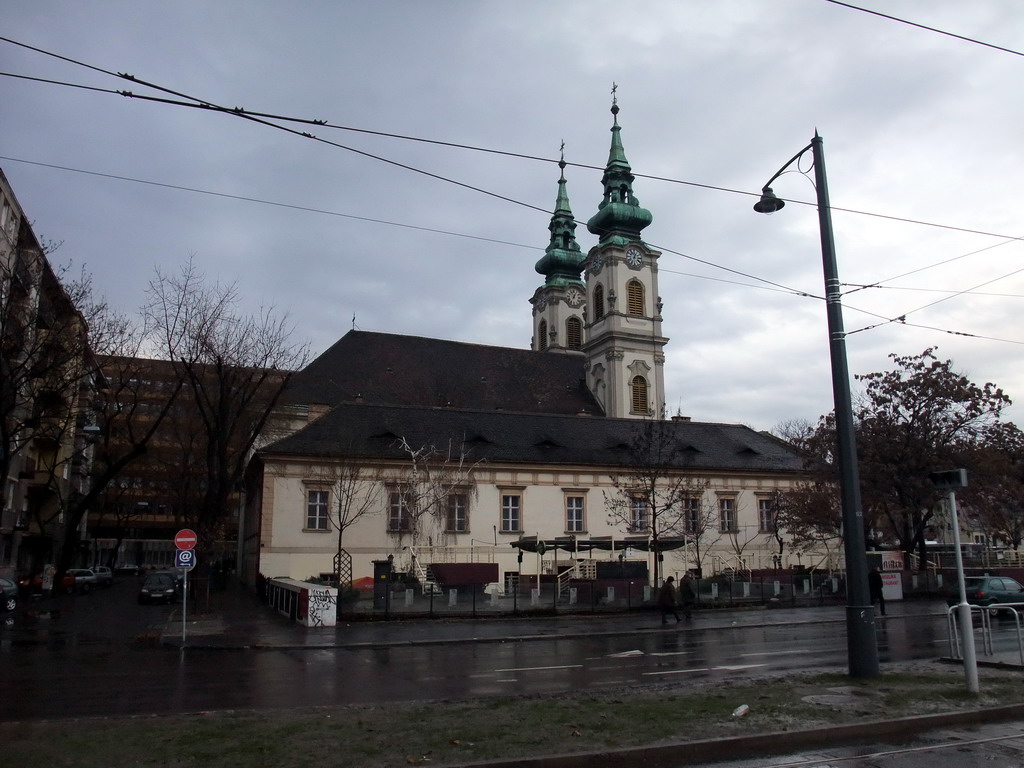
987,590
159,587
9,590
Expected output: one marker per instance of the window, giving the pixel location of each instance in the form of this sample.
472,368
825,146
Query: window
598,301
458,513
638,514
727,516
511,513
691,516
639,387
542,333
635,298
398,512
316,510
765,516
574,520
573,333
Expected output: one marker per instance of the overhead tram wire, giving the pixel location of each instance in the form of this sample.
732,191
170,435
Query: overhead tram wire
239,112
261,118
925,27
195,103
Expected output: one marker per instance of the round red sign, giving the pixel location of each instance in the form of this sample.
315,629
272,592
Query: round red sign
185,539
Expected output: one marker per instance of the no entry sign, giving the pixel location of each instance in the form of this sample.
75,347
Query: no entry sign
185,539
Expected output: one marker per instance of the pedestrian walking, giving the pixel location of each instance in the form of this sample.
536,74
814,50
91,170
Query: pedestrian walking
875,589
687,595
667,600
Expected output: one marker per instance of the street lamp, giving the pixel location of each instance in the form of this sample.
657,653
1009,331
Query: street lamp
862,648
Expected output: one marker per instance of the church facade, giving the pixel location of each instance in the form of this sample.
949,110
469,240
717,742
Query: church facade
433,451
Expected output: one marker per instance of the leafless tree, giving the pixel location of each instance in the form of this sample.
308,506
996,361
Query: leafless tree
655,486
421,498
235,366
354,493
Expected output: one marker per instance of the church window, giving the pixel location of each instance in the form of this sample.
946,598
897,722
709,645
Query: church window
458,513
398,512
765,516
635,298
693,522
573,333
316,510
598,301
638,514
574,514
639,386
727,516
511,513
542,335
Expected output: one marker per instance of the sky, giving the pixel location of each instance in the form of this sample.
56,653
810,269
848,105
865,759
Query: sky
390,233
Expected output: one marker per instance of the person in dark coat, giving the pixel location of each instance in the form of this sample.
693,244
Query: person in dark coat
667,600
687,595
875,589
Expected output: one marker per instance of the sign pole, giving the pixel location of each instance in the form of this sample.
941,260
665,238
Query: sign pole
184,608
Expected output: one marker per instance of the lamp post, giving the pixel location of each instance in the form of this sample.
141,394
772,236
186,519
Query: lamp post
862,649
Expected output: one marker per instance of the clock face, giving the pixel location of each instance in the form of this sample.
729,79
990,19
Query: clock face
597,263
634,258
574,297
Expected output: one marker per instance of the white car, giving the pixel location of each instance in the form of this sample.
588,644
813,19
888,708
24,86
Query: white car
85,578
104,576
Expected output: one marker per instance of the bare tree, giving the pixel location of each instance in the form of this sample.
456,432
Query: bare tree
354,493
423,498
653,487
235,367
700,524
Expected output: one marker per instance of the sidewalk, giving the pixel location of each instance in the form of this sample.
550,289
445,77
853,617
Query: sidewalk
235,619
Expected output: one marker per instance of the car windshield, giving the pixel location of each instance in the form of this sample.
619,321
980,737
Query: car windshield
159,580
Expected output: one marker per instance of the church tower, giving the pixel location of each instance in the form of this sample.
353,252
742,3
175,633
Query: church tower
558,304
625,361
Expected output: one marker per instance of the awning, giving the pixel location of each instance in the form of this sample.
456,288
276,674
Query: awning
602,543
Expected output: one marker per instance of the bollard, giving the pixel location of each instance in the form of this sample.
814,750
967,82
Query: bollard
534,597
746,589
778,588
453,598
572,595
714,590
611,595
409,597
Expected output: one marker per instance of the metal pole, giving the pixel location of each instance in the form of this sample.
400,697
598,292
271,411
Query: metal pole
862,648
184,608
963,609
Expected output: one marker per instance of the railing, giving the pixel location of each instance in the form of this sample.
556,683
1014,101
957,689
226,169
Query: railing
445,554
985,612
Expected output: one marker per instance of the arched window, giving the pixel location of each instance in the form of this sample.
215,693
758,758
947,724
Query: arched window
639,385
542,333
635,298
598,301
573,333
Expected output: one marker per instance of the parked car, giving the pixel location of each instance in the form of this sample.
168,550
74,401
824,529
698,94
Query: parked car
35,584
104,576
85,579
987,590
159,587
9,590
127,569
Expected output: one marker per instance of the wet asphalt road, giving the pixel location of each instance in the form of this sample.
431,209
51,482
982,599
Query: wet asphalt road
95,656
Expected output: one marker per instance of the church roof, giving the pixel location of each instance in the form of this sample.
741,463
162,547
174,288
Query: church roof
391,369
373,432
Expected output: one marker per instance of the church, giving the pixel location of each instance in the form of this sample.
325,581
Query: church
428,452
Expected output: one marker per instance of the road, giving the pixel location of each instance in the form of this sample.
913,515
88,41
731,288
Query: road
91,654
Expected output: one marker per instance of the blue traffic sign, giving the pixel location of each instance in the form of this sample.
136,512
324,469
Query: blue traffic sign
185,558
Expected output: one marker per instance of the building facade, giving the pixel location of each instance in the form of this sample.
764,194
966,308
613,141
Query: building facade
428,451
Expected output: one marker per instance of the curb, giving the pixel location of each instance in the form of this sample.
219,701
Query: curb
173,638
757,745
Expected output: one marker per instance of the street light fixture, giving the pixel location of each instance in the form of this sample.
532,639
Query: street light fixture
862,648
